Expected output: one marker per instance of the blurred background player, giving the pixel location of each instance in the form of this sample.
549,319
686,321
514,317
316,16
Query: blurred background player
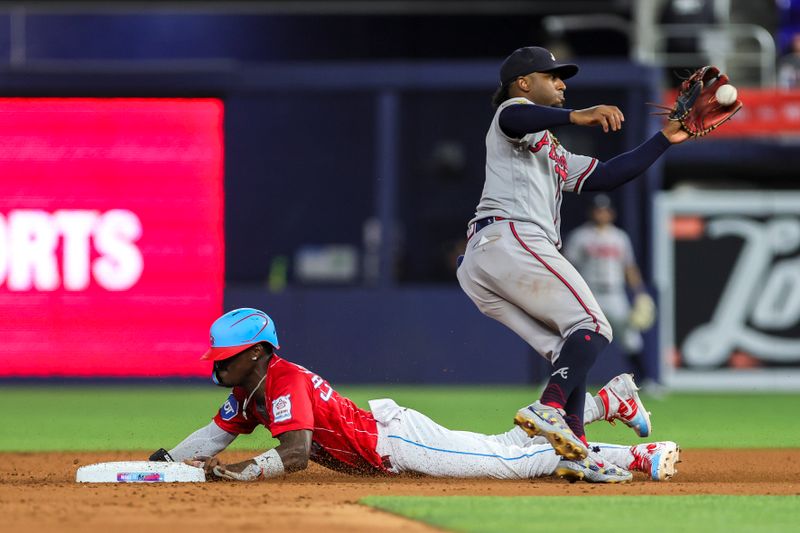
313,422
789,65
603,254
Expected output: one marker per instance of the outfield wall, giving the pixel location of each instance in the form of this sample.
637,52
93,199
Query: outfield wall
409,335
728,274
362,182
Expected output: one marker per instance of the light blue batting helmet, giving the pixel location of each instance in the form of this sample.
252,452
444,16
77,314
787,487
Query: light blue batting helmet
237,330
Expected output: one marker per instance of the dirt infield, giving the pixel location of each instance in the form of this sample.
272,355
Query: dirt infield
38,493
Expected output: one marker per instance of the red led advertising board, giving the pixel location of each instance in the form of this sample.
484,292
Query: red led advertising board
111,235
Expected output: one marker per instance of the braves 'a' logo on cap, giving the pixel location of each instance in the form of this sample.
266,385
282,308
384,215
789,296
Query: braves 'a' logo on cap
552,57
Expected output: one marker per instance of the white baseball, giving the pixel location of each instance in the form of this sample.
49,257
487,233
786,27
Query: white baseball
726,95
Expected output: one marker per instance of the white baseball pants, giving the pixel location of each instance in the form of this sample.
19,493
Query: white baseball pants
415,443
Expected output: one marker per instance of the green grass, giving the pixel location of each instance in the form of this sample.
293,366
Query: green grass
37,418
617,514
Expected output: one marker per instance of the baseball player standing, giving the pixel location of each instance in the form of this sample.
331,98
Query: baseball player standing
603,254
313,422
512,269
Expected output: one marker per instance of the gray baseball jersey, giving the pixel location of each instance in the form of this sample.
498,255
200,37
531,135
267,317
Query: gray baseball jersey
601,256
525,177
512,269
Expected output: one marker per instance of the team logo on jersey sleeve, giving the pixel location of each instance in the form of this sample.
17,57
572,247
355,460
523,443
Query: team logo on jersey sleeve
229,408
282,408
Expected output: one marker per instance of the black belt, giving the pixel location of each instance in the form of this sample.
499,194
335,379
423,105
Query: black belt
479,224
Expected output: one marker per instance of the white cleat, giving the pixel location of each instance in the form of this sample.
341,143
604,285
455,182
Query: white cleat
658,459
621,401
593,469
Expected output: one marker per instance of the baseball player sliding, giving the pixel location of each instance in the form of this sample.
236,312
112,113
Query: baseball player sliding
312,422
512,269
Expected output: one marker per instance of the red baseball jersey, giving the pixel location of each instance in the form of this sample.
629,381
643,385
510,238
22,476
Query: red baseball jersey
344,436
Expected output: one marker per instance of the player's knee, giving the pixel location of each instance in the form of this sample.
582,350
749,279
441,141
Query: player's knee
597,324
604,327
606,330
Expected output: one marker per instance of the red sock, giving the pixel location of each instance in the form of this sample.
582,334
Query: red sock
553,396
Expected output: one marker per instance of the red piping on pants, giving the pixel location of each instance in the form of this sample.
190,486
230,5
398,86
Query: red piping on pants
556,274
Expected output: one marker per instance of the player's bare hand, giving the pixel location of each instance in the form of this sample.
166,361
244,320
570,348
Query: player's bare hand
244,471
609,117
206,463
238,468
215,469
674,133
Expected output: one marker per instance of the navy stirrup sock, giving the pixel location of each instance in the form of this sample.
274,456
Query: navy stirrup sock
566,388
574,409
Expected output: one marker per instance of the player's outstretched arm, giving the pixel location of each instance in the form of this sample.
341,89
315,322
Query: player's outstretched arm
289,456
674,133
609,117
206,441
621,169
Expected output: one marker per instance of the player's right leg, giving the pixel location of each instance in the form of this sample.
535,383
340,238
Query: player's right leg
517,269
585,332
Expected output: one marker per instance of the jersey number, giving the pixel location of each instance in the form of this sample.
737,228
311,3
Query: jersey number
318,382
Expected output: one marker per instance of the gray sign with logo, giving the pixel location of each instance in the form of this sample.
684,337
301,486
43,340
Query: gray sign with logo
727,268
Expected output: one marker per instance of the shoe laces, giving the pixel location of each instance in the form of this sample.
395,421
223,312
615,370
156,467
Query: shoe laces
641,458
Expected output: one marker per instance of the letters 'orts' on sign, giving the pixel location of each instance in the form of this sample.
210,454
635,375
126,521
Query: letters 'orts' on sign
111,235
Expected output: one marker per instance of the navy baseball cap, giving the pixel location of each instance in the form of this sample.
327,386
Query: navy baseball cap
523,61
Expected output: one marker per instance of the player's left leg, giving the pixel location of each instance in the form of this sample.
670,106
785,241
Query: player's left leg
415,443
619,400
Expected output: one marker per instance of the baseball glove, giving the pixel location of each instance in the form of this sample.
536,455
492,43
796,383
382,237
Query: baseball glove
696,106
643,312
